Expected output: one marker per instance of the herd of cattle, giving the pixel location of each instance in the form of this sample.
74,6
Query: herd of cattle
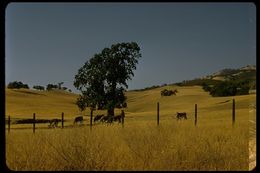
108,119
98,118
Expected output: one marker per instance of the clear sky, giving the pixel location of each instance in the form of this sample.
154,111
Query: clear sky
49,42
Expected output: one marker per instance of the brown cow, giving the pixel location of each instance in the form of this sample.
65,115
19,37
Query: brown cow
98,117
118,118
78,119
54,123
181,115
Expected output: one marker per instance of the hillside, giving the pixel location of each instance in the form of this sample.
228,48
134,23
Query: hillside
24,103
247,73
244,73
213,138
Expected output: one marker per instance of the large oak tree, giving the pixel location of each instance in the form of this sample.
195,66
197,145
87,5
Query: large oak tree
103,79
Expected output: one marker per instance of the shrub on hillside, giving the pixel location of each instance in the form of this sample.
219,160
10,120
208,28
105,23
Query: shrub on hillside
64,88
206,87
230,88
38,87
51,86
17,85
223,89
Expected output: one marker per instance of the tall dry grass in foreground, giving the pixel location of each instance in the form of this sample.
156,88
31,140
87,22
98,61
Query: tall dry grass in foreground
138,146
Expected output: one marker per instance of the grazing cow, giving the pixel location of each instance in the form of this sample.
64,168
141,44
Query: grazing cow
181,115
98,117
107,119
118,118
78,119
54,123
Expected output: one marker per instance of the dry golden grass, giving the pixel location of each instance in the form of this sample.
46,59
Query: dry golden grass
141,145
24,102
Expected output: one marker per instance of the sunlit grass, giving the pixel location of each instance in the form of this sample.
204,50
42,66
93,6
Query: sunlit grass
214,144
138,146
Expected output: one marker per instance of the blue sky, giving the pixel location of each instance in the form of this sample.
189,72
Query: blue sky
49,42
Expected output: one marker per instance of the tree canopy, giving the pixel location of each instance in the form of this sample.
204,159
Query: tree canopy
17,85
103,79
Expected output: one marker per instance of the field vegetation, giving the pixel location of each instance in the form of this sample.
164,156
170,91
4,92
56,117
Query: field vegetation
214,144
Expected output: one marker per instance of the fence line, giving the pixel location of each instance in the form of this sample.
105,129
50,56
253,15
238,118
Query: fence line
158,115
91,116
233,113
62,120
123,116
33,122
196,113
9,123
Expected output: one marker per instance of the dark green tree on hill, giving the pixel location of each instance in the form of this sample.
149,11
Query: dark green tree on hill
51,86
102,80
230,88
38,87
17,85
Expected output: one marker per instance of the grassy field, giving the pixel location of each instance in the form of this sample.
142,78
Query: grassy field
141,145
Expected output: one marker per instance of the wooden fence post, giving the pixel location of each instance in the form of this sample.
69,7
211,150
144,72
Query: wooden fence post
91,115
122,117
33,122
195,114
158,116
9,123
62,120
233,113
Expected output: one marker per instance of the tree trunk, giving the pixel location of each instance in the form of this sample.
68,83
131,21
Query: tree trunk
111,108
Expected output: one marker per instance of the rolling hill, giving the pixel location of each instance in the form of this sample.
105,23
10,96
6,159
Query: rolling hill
247,73
25,102
174,145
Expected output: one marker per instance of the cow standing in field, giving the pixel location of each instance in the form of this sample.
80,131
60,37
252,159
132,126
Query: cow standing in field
98,117
118,118
181,115
54,123
107,119
78,119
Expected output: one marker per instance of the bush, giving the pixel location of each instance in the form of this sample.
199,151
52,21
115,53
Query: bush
17,85
206,87
38,87
223,89
230,88
64,88
51,86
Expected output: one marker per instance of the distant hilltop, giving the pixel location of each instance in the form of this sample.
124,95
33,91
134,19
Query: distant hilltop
248,71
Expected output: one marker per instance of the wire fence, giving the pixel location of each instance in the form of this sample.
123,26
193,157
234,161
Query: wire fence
196,114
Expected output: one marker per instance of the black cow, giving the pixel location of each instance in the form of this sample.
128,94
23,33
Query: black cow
78,119
54,123
107,119
181,115
98,117
118,118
